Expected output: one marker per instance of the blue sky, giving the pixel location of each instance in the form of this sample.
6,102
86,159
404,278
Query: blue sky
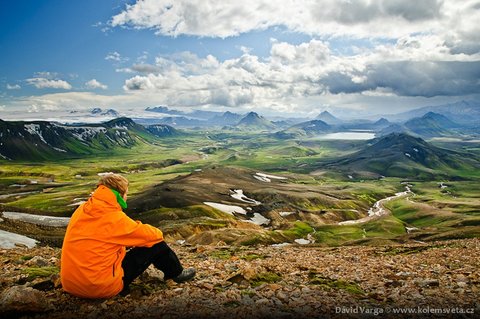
299,58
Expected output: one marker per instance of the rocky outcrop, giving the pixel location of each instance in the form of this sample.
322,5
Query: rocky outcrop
22,300
289,281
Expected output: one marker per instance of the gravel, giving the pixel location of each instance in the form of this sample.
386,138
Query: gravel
276,282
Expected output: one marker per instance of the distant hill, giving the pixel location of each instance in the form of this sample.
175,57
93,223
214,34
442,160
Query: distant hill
463,112
203,115
382,123
429,125
308,128
42,140
395,128
402,155
360,124
110,112
284,124
181,121
254,121
195,114
328,118
164,110
161,130
227,118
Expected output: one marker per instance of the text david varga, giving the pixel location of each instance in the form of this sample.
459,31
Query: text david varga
418,310
357,310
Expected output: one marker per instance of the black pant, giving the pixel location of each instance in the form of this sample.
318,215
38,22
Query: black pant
138,259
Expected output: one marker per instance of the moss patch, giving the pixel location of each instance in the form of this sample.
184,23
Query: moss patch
26,257
221,254
36,272
299,230
329,283
250,257
265,278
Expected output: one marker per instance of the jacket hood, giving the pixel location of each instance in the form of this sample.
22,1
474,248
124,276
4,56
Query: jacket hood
102,201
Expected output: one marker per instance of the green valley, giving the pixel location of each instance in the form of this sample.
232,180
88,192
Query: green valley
296,189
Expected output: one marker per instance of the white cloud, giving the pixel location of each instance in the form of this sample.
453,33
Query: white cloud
94,84
432,54
13,87
145,68
414,66
46,75
143,58
455,21
46,83
295,79
33,109
124,70
138,83
115,56
433,50
67,101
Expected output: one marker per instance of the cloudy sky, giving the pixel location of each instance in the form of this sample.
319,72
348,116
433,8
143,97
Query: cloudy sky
291,57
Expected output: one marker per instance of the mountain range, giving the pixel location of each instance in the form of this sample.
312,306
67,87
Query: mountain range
462,112
42,140
227,118
309,128
429,125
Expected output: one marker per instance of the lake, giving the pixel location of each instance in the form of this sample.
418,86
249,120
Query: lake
350,135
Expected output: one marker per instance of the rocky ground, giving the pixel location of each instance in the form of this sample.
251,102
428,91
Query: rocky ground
437,280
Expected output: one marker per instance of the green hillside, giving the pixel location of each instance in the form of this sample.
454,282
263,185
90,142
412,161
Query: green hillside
402,155
42,140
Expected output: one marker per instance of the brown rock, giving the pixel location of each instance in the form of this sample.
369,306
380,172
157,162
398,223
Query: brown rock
428,283
21,299
57,281
38,261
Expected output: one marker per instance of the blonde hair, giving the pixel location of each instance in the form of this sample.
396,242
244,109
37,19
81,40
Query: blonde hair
114,181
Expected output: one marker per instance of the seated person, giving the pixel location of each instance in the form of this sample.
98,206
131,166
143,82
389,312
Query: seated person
95,262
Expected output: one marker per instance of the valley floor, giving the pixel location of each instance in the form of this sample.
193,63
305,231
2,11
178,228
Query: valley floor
436,279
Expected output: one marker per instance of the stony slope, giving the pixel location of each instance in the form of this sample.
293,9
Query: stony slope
268,282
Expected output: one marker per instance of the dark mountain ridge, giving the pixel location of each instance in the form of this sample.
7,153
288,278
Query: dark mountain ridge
462,112
403,155
227,118
328,118
256,122
429,125
43,140
309,128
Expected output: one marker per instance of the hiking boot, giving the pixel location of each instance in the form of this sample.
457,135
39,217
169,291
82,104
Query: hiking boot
186,275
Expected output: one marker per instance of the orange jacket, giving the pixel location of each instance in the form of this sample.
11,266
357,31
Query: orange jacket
94,246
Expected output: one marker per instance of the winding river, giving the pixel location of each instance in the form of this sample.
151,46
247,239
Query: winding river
378,209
